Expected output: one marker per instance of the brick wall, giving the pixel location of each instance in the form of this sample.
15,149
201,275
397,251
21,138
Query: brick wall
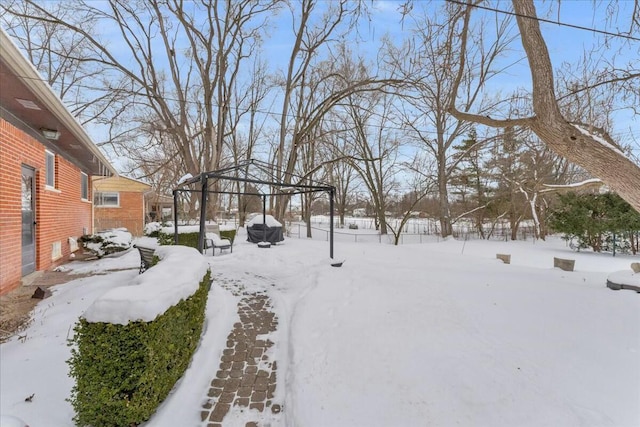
60,212
130,214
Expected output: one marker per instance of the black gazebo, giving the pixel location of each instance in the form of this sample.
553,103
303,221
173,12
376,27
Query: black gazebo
244,172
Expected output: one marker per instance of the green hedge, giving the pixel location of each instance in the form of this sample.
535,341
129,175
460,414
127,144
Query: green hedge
228,234
185,239
191,239
123,372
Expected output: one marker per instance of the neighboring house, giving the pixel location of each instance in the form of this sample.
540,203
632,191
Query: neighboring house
119,202
47,161
159,207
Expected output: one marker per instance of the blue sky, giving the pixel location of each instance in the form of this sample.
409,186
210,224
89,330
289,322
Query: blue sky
565,44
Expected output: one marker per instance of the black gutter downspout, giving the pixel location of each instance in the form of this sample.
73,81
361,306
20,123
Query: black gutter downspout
264,217
204,182
175,217
331,194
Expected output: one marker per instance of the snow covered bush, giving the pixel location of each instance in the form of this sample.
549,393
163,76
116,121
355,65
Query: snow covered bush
189,235
151,229
107,242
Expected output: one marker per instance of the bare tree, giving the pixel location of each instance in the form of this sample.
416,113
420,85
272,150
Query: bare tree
374,148
179,61
586,146
420,185
309,38
314,83
248,98
62,56
341,174
426,60
511,177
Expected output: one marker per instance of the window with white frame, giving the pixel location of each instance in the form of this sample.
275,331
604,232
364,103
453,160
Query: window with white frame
84,186
106,198
50,169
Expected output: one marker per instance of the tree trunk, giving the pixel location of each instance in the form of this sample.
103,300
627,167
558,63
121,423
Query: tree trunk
599,157
381,220
514,228
307,213
443,205
583,147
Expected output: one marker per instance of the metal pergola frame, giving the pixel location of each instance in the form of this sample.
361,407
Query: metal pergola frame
224,175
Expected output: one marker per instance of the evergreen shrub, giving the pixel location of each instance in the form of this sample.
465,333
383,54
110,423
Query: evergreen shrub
191,239
124,372
596,221
185,239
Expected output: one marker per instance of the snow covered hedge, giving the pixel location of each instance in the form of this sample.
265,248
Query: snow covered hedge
228,234
189,235
134,342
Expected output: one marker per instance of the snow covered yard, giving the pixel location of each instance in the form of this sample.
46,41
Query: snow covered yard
433,334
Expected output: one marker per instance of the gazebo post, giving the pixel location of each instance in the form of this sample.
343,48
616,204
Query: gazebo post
175,217
331,191
203,210
264,217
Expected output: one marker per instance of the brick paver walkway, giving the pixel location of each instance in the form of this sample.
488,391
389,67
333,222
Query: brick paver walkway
247,374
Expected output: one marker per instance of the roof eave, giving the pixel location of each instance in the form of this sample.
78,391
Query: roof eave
18,64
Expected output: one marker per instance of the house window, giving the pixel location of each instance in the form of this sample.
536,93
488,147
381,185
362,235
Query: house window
50,168
107,199
84,186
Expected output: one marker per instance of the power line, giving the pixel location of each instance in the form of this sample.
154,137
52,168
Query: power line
276,115
547,21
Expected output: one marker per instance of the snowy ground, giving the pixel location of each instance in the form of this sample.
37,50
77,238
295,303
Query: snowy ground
435,334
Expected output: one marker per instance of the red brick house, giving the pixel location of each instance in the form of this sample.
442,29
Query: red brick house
47,162
119,202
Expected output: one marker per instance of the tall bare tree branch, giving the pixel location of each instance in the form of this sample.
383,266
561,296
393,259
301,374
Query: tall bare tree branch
579,145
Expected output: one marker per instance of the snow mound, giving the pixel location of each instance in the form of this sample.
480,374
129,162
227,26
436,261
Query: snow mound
176,277
625,277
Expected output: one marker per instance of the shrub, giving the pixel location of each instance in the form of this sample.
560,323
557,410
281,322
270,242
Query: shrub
107,242
165,238
188,235
185,239
123,372
151,229
596,220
